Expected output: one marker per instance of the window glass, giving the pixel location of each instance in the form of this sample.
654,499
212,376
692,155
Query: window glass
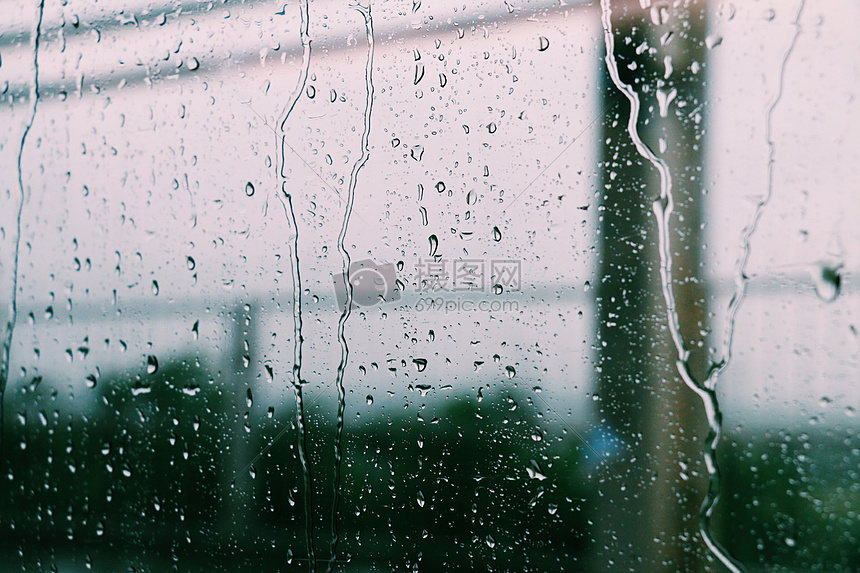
423,286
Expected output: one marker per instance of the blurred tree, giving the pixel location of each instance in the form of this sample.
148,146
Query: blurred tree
473,489
132,465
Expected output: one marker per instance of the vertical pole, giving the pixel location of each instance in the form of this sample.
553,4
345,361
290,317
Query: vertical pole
646,517
237,511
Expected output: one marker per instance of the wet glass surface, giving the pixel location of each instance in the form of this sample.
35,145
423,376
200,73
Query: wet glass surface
429,286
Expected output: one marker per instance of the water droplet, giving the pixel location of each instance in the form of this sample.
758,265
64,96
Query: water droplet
543,44
311,91
498,289
155,288
434,244
440,187
423,211
91,381
497,234
664,99
535,471
659,15
492,127
151,364
471,198
420,498
828,281
491,542
369,400
193,63
713,41
727,11
189,261
420,364
195,330
510,371
249,398
249,189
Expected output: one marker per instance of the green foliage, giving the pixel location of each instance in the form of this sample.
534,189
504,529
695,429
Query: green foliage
140,472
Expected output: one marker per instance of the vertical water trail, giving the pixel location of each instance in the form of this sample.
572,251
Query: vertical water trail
748,231
286,200
344,349
301,428
716,369
35,37
663,208
305,39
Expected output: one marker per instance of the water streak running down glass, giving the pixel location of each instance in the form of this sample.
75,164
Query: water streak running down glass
429,286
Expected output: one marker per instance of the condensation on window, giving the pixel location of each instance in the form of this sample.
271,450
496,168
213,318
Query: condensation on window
419,286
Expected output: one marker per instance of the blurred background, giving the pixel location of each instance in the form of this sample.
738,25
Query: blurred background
168,167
